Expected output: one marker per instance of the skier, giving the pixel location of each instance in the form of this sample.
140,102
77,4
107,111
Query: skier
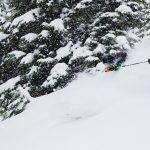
114,62
120,58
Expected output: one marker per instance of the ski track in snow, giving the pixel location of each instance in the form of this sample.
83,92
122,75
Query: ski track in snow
101,112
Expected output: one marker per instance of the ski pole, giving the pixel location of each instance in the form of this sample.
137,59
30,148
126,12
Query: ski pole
137,63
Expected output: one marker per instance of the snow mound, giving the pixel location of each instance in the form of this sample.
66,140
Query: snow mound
58,24
64,51
27,59
29,37
9,84
17,54
124,9
3,36
58,71
26,18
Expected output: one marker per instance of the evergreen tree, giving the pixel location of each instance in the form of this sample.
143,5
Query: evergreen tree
46,42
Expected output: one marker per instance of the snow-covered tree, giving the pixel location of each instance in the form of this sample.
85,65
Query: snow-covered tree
46,42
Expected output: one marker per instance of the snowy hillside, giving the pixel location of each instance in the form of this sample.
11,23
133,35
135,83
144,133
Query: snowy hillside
105,111
44,44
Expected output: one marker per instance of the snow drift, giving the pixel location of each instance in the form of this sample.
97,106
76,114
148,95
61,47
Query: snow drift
102,111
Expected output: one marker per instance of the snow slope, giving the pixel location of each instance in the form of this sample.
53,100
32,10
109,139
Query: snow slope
107,111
